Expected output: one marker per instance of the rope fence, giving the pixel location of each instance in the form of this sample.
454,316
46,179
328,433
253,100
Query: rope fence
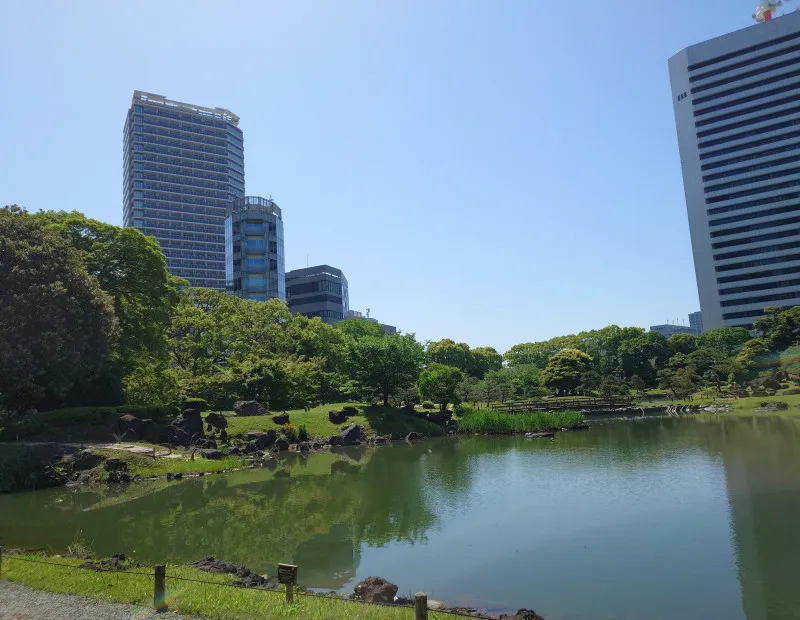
160,576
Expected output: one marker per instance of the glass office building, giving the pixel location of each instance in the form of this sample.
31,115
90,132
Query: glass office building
182,166
318,291
254,267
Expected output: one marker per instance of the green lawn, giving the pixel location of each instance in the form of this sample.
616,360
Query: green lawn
496,422
212,602
376,421
146,466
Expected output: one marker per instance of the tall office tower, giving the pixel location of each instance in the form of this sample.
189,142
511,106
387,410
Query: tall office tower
318,291
183,164
737,111
254,266
696,322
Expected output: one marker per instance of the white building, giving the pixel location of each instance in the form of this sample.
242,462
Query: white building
737,112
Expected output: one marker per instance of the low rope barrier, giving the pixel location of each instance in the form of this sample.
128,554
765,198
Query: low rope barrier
420,600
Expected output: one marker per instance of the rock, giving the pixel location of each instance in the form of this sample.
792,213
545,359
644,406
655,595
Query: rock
179,437
150,431
178,476
408,409
303,446
262,440
192,423
115,465
522,614
349,411
318,445
205,443
247,578
216,420
376,590
249,408
337,417
80,461
130,427
234,451
250,447
281,419
379,440
213,455
223,436
772,406
119,477
435,605
352,435
441,418
117,562
281,445
412,436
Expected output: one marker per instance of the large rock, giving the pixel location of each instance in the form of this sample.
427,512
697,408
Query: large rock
205,443
115,465
249,408
262,440
441,418
337,417
412,436
213,455
216,420
179,437
130,427
281,419
247,578
522,614
281,445
119,477
376,590
192,423
349,411
80,461
352,435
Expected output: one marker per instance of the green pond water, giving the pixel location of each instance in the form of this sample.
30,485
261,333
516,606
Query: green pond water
647,519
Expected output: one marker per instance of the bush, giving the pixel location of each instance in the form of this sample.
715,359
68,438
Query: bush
195,403
290,433
427,404
302,434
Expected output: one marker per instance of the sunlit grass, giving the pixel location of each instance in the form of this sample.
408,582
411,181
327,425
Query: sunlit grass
487,421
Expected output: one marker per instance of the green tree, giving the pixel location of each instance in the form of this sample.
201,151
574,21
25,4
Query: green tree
613,386
682,383
450,353
485,359
357,328
387,363
440,383
538,353
728,340
499,383
57,327
564,369
643,355
526,381
681,343
780,328
590,381
637,384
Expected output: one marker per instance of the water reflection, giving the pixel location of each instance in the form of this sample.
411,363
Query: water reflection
663,518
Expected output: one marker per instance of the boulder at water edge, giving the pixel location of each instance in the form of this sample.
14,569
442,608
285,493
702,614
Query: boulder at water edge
352,435
376,590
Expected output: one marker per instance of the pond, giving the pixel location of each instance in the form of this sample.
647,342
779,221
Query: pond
656,518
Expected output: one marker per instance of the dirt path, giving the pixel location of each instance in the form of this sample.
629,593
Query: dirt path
18,602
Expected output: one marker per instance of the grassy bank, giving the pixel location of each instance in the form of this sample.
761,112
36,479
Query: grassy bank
211,602
487,421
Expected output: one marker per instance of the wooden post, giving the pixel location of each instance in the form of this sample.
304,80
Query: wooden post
420,606
289,593
158,591
287,575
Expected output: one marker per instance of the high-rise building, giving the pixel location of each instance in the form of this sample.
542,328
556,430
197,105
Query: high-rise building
737,112
183,164
668,330
696,322
318,291
254,266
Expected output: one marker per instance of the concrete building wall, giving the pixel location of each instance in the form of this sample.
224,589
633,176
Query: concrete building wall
737,112
318,291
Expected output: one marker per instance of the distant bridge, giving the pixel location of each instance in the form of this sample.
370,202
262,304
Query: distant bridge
565,404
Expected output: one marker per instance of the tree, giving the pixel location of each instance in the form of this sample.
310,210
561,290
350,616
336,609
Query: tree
57,327
564,369
538,353
682,384
450,353
385,364
526,381
439,383
638,384
485,359
781,329
728,340
681,343
613,386
590,381
357,328
501,382
643,355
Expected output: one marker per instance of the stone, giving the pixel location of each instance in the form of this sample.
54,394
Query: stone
412,436
249,408
408,409
349,411
281,445
352,435
115,465
234,451
247,578
80,461
216,420
380,440
303,446
213,455
337,417
179,437
440,418
205,443
522,614
223,436
281,419
192,423
376,590
262,440
119,477
130,427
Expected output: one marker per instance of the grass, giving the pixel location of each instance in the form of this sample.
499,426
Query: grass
144,465
375,420
495,422
208,601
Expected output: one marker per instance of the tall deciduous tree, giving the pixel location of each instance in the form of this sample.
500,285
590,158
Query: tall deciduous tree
440,383
564,370
57,327
728,340
387,363
450,353
681,343
485,359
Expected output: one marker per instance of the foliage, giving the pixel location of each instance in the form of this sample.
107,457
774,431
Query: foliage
637,384
439,383
563,371
472,362
728,340
681,383
590,381
682,343
428,404
485,359
151,385
385,364
289,433
57,327
526,381
781,329
302,433
487,421
613,386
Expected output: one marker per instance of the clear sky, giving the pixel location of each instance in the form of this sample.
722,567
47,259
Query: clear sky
494,171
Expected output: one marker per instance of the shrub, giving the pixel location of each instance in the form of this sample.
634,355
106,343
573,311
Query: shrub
196,403
290,433
302,434
427,404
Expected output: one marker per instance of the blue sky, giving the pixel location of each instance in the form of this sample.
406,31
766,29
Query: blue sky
496,172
